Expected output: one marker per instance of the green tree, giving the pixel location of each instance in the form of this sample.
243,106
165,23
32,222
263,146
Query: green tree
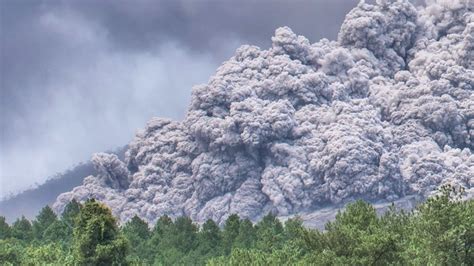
137,233
45,255
270,233
170,256
357,237
22,230
58,232
136,227
247,235
163,226
290,254
178,240
5,230
184,234
313,241
11,251
61,231
293,229
45,218
71,212
392,229
230,232
438,232
96,237
209,241
241,257
442,230
325,257
345,232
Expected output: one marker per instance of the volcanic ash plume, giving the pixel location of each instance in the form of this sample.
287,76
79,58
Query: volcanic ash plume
385,112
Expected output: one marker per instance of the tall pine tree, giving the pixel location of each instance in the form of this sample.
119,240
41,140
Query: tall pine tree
137,233
230,232
22,229
70,213
247,235
270,234
209,239
5,230
45,218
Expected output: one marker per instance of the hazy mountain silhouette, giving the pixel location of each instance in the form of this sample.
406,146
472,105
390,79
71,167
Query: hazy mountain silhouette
30,201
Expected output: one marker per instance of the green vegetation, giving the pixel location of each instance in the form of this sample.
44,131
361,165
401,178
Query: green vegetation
97,240
438,232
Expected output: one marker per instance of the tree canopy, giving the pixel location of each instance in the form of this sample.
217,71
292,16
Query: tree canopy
438,232
97,240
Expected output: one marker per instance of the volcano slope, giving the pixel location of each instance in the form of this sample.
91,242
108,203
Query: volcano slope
385,112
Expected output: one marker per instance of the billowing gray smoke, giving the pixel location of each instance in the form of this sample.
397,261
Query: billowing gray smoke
385,112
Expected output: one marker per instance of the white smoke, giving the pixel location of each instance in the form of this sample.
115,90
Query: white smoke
385,112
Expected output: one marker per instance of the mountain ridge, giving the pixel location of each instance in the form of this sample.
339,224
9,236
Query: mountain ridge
30,201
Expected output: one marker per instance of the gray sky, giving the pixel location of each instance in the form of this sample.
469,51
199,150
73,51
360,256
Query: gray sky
78,77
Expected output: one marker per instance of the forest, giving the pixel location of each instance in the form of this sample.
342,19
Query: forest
439,231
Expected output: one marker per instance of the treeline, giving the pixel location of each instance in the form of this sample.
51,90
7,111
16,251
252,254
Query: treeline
438,232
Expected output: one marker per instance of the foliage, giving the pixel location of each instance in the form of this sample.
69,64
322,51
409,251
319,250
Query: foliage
45,254
58,232
230,232
270,233
97,239
5,230
247,235
10,251
438,232
22,229
209,239
137,233
71,212
442,231
45,218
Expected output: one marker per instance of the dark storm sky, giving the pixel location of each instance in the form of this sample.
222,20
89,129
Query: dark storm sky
79,77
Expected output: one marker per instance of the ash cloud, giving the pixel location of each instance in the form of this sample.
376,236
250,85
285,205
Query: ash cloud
384,112
79,77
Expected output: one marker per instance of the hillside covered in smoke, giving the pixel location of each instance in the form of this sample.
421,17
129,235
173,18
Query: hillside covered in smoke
384,112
